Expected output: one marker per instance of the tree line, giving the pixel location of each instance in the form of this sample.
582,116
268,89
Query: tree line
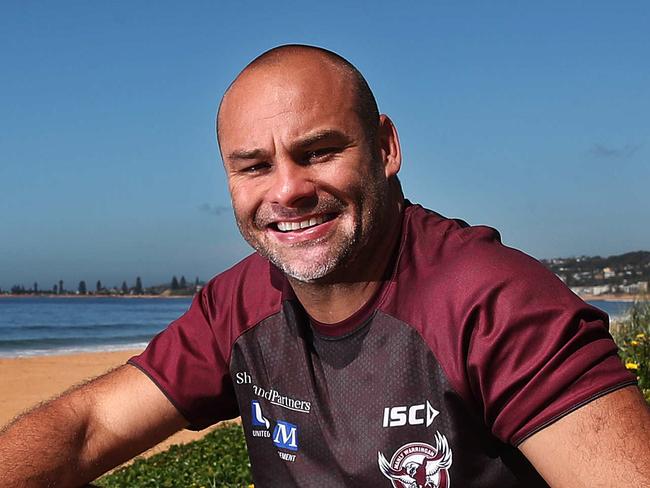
174,287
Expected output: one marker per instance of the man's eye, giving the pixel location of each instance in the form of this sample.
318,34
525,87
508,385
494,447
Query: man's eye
318,154
255,168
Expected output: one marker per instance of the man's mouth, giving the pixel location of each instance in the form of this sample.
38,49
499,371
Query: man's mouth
285,226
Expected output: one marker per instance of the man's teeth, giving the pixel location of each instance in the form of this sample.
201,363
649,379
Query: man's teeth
287,226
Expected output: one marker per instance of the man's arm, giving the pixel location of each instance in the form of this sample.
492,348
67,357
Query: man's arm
87,431
605,443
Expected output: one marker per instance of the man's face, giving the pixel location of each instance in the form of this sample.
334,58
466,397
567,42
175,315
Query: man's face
306,183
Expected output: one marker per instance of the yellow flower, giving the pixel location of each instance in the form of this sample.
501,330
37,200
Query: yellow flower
640,336
634,343
632,366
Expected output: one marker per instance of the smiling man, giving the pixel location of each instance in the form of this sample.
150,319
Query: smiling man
312,170
368,341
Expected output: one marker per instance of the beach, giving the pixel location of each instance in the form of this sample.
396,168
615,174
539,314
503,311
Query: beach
26,381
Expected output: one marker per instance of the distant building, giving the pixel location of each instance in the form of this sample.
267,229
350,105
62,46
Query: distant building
592,290
636,288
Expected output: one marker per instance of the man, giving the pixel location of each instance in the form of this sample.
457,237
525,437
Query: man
384,346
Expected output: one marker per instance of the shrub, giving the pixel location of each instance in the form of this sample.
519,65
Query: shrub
632,334
218,460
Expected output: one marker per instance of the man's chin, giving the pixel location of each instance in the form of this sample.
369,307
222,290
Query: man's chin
307,262
303,272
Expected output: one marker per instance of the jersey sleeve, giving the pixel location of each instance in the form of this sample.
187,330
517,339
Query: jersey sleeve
537,351
189,365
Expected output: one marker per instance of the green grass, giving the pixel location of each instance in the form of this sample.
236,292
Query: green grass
218,460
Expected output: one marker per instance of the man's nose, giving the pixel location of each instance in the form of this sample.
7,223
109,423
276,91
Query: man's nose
292,185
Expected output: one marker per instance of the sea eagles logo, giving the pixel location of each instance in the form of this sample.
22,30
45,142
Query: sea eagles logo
419,465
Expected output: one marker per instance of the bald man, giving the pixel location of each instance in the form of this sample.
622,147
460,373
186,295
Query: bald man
368,341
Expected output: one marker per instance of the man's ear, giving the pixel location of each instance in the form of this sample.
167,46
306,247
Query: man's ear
391,153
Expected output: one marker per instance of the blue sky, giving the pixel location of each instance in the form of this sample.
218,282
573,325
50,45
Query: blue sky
531,118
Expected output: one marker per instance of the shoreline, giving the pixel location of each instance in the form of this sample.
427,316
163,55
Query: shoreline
75,351
28,381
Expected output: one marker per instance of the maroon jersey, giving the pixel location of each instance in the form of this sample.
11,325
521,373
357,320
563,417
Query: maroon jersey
465,351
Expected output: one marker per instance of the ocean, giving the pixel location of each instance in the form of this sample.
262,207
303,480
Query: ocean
49,325
58,325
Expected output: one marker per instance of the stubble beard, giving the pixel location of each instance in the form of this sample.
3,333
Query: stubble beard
348,244
287,257
308,270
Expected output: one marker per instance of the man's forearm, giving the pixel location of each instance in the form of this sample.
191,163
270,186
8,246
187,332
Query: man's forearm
604,443
87,431
45,447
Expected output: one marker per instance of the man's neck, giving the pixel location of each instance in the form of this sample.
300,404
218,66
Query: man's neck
334,301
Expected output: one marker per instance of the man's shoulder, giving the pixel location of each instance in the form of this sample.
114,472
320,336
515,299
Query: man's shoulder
252,289
461,265
477,303
453,247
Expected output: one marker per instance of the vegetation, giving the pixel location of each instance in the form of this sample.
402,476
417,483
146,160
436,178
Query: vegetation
218,460
173,288
632,334
137,289
618,272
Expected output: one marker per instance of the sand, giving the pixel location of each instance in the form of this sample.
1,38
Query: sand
27,381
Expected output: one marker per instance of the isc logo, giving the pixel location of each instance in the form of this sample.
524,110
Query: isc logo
420,414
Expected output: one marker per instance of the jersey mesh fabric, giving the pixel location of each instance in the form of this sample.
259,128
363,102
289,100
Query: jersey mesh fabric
483,333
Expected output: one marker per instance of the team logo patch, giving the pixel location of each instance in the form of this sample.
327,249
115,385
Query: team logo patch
285,435
259,420
419,465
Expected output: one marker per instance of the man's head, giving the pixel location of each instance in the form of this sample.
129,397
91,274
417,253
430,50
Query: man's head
311,165
364,102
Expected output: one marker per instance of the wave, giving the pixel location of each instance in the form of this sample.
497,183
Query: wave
14,346
48,328
72,350
84,326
